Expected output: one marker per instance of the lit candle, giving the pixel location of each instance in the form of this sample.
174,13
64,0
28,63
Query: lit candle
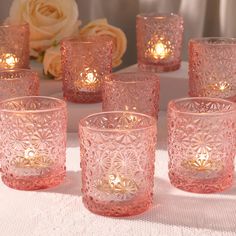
222,86
8,61
203,164
88,80
158,49
118,184
32,163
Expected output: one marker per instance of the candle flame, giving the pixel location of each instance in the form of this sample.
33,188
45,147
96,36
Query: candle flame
91,78
9,60
158,48
32,160
118,184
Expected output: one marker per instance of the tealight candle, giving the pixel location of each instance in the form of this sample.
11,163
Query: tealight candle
158,50
159,41
14,46
33,142
8,60
212,68
88,80
84,63
117,177
201,144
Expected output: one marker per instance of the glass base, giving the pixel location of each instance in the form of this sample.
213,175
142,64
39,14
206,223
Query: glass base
83,97
203,185
159,67
32,182
117,209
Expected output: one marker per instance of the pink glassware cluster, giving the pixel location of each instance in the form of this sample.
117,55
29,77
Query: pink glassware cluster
14,46
201,144
33,142
117,146
159,41
84,63
18,82
117,160
212,70
134,91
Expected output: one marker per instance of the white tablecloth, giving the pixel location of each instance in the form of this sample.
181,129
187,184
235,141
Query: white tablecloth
59,211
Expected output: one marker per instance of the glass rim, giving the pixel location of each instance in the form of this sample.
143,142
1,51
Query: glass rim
206,41
160,16
151,77
153,122
14,25
85,41
62,105
15,70
172,107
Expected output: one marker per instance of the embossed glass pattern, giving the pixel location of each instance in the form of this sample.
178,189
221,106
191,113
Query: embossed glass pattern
18,82
159,41
14,46
212,68
84,63
134,91
201,144
117,159
33,142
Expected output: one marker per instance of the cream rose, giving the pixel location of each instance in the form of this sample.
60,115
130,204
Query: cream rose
52,62
49,20
101,27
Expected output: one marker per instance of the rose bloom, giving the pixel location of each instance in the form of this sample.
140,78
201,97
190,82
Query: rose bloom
49,20
52,62
101,27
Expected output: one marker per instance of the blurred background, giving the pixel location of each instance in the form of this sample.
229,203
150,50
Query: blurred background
202,17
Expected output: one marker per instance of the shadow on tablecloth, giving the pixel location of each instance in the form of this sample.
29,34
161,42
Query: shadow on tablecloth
175,207
71,185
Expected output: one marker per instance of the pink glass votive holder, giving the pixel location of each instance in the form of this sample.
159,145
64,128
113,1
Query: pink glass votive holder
18,82
33,142
201,144
117,152
159,41
84,63
14,46
132,91
212,70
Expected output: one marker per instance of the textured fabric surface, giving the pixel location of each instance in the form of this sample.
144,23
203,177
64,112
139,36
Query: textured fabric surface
60,211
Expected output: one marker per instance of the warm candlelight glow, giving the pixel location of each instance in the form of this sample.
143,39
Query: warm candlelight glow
32,160
88,80
223,85
220,87
158,49
116,183
202,162
8,60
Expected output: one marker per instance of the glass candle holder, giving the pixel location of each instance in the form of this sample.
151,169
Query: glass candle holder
212,71
159,41
33,142
14,46
18,82
117,159
133,91
201,144
84,63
